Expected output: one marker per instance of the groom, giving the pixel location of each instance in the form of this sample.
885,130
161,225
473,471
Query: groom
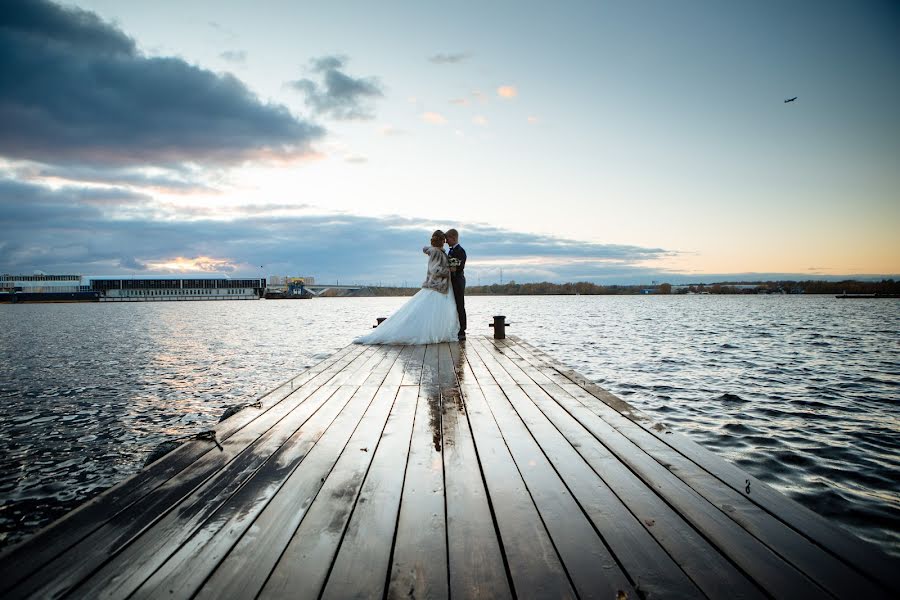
458,279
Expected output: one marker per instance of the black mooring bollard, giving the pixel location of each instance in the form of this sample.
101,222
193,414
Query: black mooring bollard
379,319
499,326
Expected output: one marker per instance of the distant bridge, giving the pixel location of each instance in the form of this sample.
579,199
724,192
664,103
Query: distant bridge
317,289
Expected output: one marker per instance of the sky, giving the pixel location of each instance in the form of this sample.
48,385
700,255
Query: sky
609,142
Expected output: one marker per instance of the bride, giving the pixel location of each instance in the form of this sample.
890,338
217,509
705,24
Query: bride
428,317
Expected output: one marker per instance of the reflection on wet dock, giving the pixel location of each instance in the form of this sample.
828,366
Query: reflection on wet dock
480,469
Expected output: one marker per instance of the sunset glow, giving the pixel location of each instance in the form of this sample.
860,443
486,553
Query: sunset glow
181,264
287,138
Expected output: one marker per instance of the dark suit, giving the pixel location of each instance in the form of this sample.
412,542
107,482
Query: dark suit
458,281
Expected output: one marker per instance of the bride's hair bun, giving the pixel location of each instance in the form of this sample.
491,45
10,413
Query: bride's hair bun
438,236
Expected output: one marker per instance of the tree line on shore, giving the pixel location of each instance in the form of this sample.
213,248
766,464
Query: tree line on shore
584,288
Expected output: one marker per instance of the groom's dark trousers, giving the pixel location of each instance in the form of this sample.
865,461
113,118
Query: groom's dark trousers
458,281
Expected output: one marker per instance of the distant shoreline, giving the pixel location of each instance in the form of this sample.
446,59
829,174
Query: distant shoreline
812,287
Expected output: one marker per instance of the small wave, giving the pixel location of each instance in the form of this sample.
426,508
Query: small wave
794,459
663,388
773,412
811,404
740,429
768,465
868,379
728,397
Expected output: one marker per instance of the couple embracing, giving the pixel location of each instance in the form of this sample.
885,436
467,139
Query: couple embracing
437,313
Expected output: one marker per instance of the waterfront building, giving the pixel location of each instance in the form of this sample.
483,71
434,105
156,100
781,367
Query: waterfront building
176,287
41,287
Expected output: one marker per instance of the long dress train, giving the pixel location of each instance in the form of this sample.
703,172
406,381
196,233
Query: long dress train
428,317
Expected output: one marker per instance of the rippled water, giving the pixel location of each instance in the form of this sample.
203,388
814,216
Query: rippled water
800,391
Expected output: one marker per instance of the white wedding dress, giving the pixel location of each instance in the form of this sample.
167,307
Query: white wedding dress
429,317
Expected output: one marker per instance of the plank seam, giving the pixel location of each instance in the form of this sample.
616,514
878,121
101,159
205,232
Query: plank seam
574,497
487,494
530,495
24,544
362,482
93,570
659,496
316,495
390,564
688,485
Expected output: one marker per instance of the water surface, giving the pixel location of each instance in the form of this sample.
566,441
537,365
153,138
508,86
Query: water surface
802,392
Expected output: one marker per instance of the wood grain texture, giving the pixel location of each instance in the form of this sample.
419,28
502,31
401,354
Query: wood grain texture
480,469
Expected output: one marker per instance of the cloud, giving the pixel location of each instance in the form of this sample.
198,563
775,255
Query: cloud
434,118
130,263
106,232
76,90
480,120
176,180
234,56
390,130
339,95
110,231
448,59
356,160
227,33
197,264
532,119
460,101
507,91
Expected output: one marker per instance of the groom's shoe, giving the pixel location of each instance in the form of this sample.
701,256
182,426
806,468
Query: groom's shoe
461,337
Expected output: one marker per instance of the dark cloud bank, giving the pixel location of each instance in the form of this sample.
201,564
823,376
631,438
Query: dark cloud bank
91,231
76,90
80,102
118,231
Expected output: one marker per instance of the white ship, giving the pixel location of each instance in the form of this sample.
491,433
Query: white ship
176,288
42,287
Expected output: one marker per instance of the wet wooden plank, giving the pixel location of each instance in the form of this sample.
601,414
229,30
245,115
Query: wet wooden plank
304,565
863,569
87,555
244,570
30,555
361,567
751,555
861,556
412,370
419,561
534,566
483,471
378,372
809,558
409,356
649,567
509,362
184,571
592,569
476,562
370,358
703,563
121,575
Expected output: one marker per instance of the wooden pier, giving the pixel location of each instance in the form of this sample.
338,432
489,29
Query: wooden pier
483,469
